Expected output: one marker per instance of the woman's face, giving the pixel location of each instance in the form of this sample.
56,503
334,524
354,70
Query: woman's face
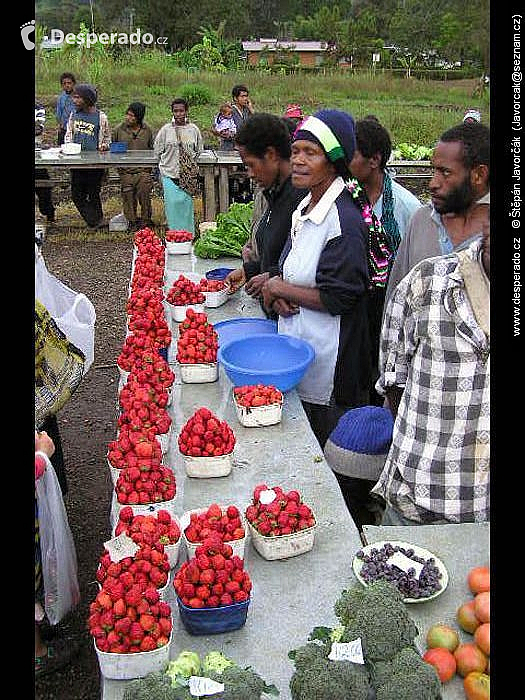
263,170
179,113
310,166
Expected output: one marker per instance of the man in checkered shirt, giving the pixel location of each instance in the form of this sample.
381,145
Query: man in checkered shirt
435,372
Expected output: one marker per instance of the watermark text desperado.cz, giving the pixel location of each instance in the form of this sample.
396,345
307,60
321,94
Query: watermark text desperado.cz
91,38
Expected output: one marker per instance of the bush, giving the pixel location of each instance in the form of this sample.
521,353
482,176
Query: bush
196,94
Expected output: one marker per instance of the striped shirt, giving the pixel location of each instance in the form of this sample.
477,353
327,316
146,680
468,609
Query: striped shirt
438,466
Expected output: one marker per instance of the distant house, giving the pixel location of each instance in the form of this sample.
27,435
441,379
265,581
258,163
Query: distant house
309,53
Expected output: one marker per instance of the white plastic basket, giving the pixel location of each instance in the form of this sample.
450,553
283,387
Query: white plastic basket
259,416
164,440
214,299
140,509
114,471
199,372
178,311
123,375
236,545
207,467
283,546
178,248
172,550
128,666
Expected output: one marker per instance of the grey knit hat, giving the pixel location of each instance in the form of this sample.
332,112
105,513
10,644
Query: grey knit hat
359,443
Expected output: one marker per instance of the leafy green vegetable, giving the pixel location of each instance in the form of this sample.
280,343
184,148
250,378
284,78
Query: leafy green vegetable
185,665
411,151
215,661
232,232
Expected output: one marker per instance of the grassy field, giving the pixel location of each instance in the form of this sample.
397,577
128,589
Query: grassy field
414,111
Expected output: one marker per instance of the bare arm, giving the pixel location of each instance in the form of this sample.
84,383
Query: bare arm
295,295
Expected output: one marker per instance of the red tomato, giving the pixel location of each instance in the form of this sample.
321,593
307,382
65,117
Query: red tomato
443,661
478,579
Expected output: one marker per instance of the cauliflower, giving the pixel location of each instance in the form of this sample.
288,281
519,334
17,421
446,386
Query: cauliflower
185,665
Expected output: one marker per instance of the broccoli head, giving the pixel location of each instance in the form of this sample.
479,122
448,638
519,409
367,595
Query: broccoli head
353,599
316,677
241,683
406,677
154,685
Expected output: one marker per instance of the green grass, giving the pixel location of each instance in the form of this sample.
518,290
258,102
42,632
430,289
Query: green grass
414,111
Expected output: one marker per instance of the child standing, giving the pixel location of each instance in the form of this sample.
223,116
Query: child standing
224,127
65,104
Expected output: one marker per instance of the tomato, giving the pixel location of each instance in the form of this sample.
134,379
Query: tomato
443,661
466,617
469,657
482,637
482,606
443,636
478,579
477,686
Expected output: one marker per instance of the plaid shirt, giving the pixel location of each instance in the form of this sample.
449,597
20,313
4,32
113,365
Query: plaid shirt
438,466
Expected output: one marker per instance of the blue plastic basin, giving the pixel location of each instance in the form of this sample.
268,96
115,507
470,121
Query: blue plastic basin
237,328
269,358
118,147
218,273
213,620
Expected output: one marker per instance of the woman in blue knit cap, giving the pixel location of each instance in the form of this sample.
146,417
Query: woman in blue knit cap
321,293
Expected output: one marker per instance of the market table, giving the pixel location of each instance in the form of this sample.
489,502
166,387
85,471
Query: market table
290,597
97,159
460,548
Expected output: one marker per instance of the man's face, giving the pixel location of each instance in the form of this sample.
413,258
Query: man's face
131,119
242,99
68,85
450,187
80,102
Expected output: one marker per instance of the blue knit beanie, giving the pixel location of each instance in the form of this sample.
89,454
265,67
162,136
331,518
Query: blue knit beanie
333,130
359,443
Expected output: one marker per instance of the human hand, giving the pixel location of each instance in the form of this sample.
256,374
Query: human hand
104,147
284,308
234,280
43,443
255,284
271,290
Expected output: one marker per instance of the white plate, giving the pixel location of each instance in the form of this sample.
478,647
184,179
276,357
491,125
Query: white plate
357,565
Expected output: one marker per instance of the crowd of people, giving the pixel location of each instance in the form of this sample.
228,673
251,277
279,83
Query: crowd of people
392,294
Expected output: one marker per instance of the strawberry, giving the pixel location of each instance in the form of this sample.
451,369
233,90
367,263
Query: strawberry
148,644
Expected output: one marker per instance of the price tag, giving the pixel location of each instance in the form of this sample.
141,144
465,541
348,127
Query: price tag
267,496
121,547
200,686
347,651
405,563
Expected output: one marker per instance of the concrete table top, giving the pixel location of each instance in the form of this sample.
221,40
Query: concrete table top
290,597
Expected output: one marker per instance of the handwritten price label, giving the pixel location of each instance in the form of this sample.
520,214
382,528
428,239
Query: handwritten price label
405,563
347,651
267,496
200,686
121,547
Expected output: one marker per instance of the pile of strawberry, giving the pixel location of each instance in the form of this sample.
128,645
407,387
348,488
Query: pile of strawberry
205,435
134,448
174,236
151,323
183,292
127,615
150,367
148,269
144,298
146,416
156,530
226,523
251,395
284,515
145,484
212,285
213,578
132,349
198,340
134,393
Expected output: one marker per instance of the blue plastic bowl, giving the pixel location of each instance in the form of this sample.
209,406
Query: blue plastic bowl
213,620
219,273
269,358
237,328
118,147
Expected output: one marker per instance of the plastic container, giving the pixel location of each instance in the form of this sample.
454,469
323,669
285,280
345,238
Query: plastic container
118,223
172,551
178,312
199,372
270,358
128,666
208,467
218,273
235,328
213,620
283,546
71,149
258,416
236,545
178,248
214,299
118,147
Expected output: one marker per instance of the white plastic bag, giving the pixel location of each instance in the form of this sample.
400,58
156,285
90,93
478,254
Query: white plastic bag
73,311
59,559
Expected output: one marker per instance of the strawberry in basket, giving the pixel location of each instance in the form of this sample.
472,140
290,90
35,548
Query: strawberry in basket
183,292
252,395
274,512
196,345
152,368
148,567
212,285
155,530
134,448
206,435
141,392
144,298
145,484
148,417
226,523
213,578
179,236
